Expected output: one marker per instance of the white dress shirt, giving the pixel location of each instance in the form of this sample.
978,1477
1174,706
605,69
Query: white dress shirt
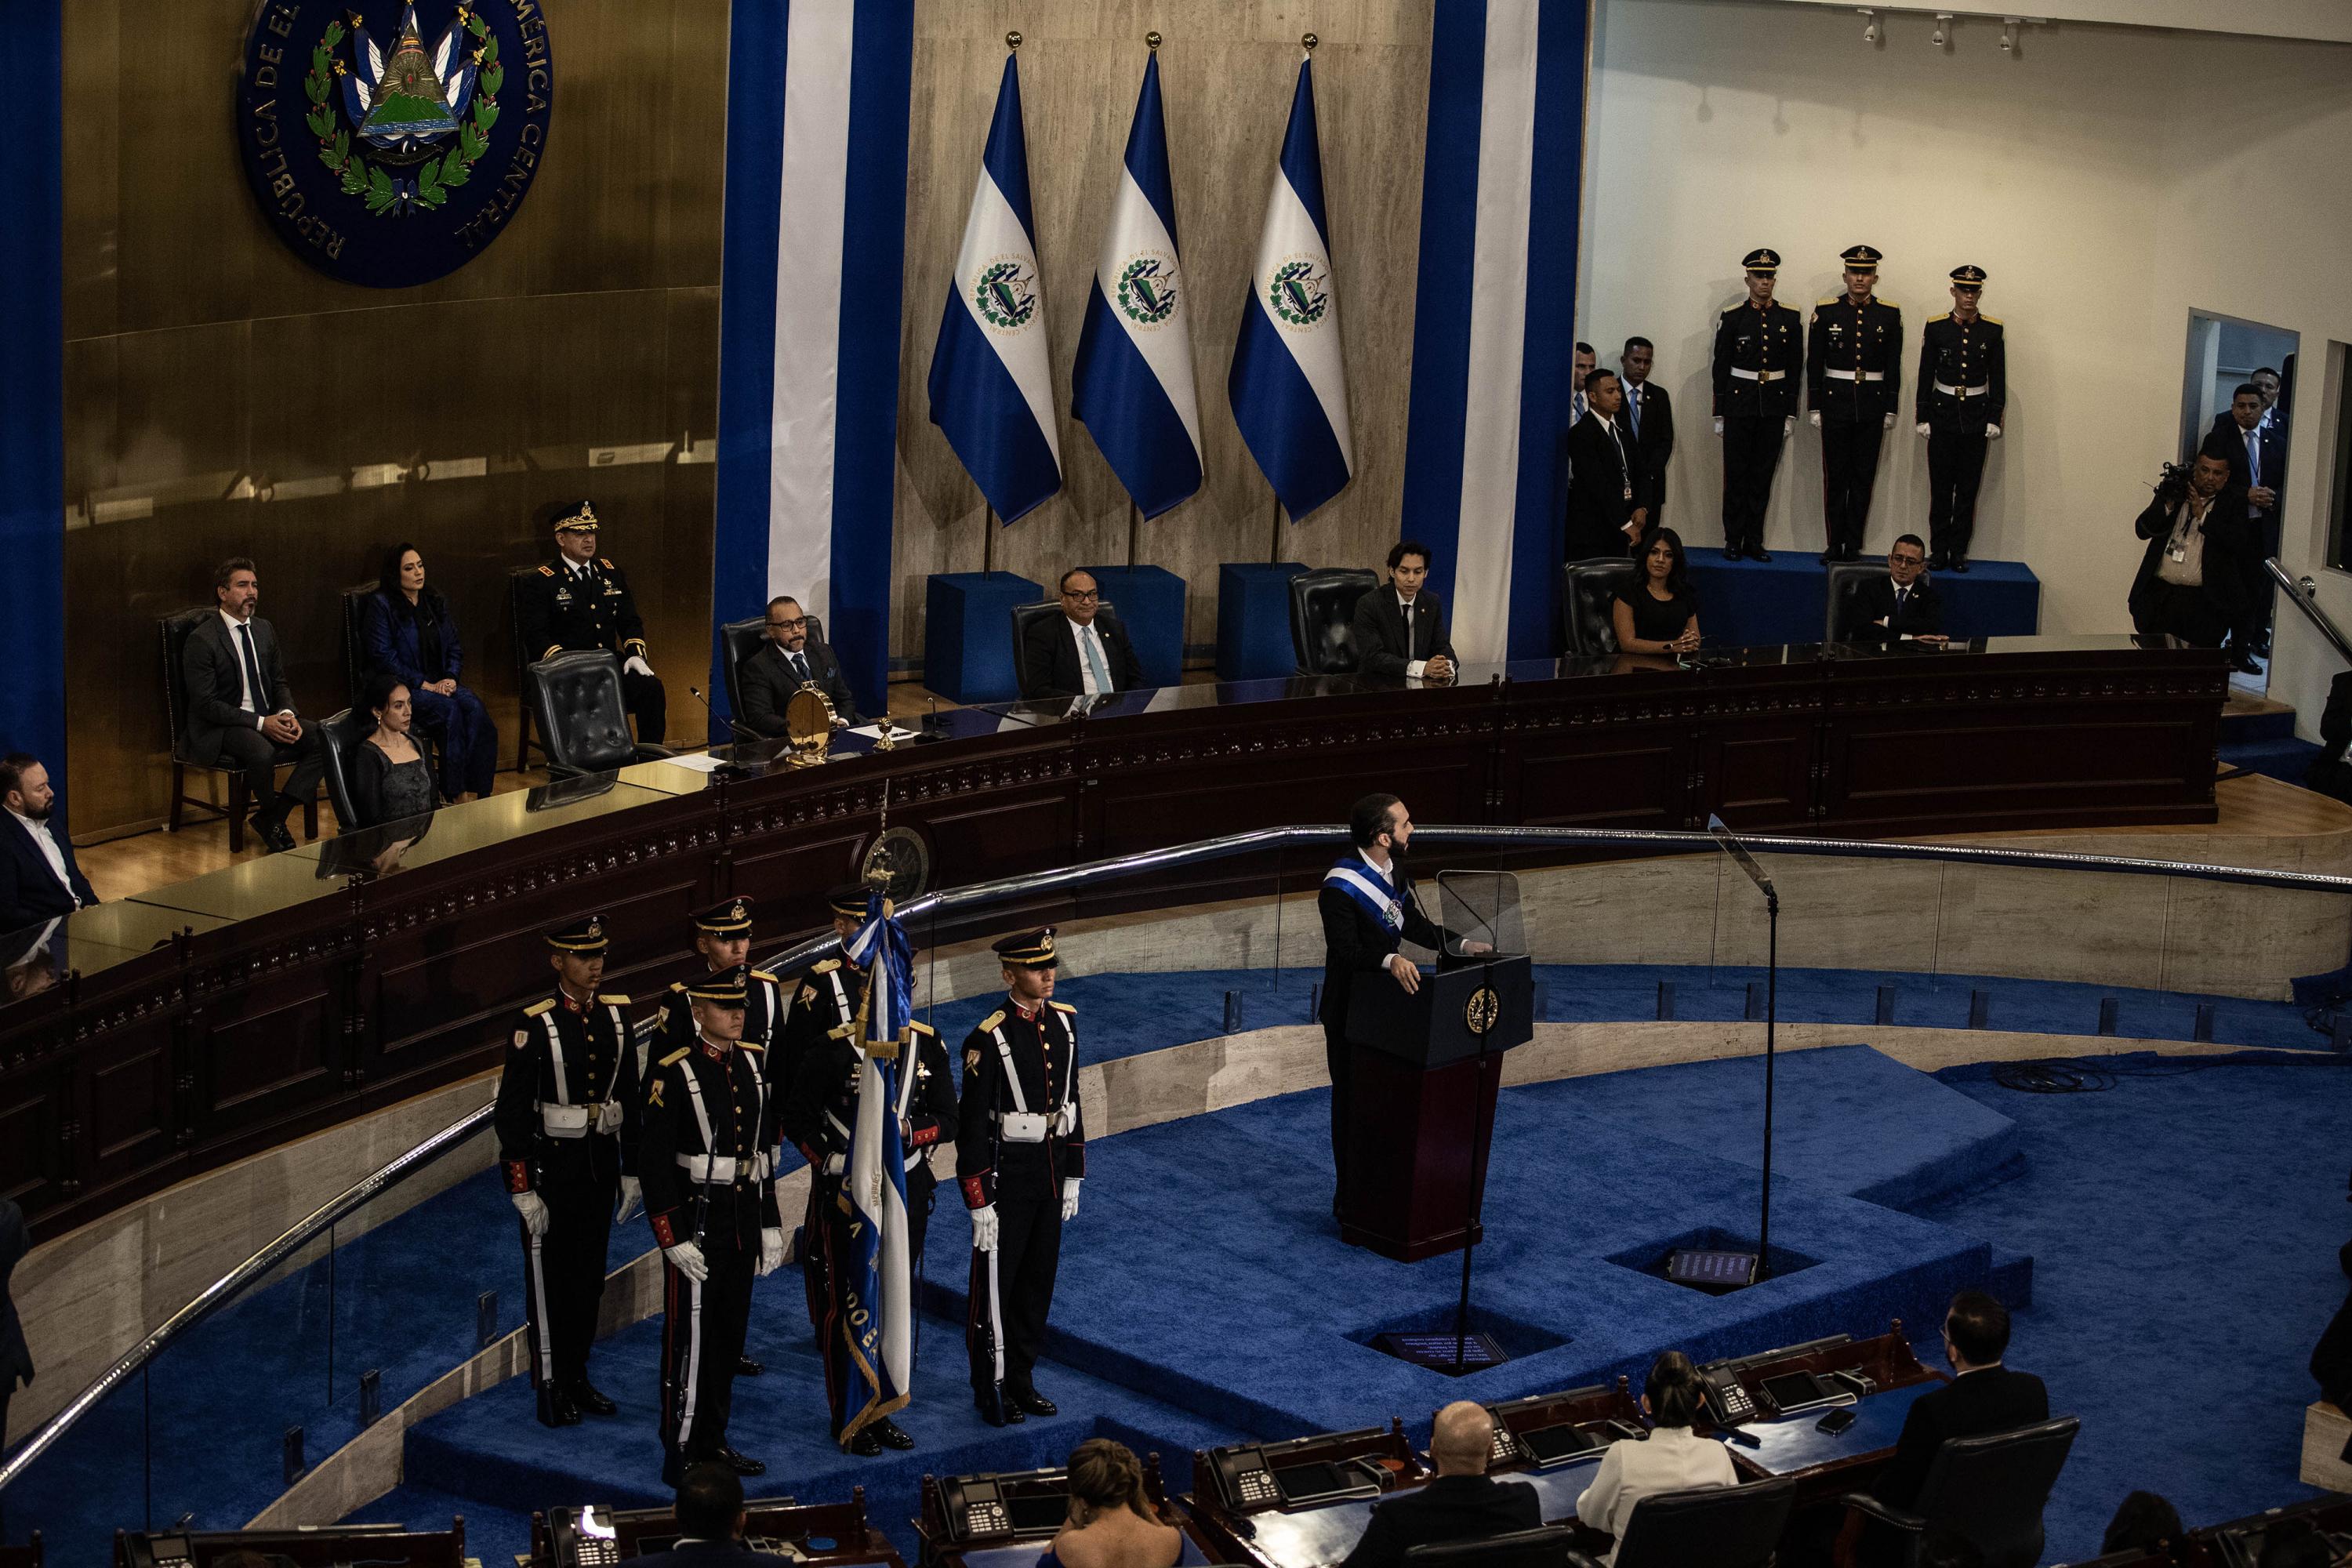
1083,635
47,842
1669,1459
1413,668
249,700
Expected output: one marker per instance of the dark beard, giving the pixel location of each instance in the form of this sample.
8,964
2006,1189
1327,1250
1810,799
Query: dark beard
42,815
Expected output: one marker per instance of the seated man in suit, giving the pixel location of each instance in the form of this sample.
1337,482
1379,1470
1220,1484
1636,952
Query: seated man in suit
1461,1504
1605,514
240,710
711,1519
787,660
1080,653
1403,631
1982,1398
1901,606
38,878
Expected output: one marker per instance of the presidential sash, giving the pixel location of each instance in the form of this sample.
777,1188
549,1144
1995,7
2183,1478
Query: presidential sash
1369,886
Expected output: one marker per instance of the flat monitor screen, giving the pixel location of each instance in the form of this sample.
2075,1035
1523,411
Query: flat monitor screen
1795,1390
1311,1483
1550,1445
1038,1512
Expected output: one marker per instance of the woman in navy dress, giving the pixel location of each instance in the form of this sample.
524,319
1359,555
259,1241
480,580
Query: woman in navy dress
411,636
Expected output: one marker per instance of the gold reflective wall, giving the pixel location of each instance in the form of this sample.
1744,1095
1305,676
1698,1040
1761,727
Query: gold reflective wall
223,398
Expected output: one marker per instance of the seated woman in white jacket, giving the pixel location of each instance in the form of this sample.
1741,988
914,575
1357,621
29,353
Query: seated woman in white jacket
1672,1459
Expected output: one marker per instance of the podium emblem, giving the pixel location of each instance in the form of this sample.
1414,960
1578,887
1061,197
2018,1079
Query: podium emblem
1481,1011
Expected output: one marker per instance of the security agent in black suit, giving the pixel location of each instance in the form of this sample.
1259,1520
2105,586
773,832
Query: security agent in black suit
1463,1503
1058,667
1983,1397
2255,448
1963,388
15,1357
1759,351
711,1520
581,602
1401,631
1604,510
1901,606
240,709
2192,575
39,879
788,659
1650,416
1853,378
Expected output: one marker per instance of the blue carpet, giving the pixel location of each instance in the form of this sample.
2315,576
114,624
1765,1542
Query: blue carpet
493,1535
2282,757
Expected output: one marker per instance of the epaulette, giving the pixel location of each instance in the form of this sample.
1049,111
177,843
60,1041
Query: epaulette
1989,320
749,1045
607,565
764,974
676,1054
536,1008
546,571
1887,302
677,986
920,1028
1944,317
1831,300
825,966
613,1001
1061,1006
991,1020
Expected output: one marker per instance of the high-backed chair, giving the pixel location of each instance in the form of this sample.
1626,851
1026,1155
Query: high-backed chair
341,738
1845,577
1323,618
1543,1547
1591,589
1026,615
575,699
742,640
1990,1490
355,659
1724,1527
172,633
523,659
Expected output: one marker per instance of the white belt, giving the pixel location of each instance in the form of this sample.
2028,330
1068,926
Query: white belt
561,1121
724,1167
1950,391
1739,374
1852,374
1030,1126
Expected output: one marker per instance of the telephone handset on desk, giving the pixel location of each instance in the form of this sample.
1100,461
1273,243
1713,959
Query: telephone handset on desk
1726,1402
1244,1481
583,1538
975,1506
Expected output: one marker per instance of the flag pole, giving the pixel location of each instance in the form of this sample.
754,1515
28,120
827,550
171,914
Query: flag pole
1273,539
988,540
1134,523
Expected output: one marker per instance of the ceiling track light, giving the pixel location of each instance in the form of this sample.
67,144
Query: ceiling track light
2008,26
1870,23
1943,29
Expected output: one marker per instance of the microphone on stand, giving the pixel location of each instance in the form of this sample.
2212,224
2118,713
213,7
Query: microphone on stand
753,736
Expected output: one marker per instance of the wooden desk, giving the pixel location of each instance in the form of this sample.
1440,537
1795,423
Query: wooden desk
1270,1534
959,1528
835,1534
328,1546
1829,1466
2238,1543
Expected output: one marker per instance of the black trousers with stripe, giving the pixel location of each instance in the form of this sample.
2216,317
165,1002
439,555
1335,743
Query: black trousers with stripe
702,1339
563,1277
1013,1291
1751,456
1955,461
1849,473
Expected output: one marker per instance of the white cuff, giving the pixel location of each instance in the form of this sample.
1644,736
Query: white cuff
1414,669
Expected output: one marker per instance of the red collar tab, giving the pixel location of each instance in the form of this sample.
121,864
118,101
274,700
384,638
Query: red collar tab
1028,1013
569,1004
715,1050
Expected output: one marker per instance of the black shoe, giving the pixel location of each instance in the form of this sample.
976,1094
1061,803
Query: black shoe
1938,562
673,1471
1030,1401
746,1367
864,1445
2244,664
893,1436
585,1396
556,1409
1959,563
1732,552
272,831
1757,553
995,1408
742,1464
1831,555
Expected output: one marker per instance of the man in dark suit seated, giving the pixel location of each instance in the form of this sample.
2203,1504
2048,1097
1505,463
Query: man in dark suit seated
789,659
1403,631
1080,652
1901,606
1982,1398
711,1519
39,879
240,710
1605,514
1463,1503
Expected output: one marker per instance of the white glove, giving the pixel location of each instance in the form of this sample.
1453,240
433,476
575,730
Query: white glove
687,1259
533,1209
772,1252
983,1228
1070,1198
1992,432
1788,426
633,1200
635,665
1921,427
1719,424
1886,422
1815,416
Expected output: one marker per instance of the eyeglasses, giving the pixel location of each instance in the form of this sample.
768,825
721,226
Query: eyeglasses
1084,596
1907,560
795,624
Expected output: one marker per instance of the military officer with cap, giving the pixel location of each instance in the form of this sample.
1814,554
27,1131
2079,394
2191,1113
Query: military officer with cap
1963,382
1853,378
817,1116
825,1006
709,1159
723,935
1760,348
566,1121
1021,1154
581,601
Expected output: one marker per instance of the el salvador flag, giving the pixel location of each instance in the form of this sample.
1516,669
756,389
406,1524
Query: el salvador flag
1133,385
1289,386
878,1305
992,385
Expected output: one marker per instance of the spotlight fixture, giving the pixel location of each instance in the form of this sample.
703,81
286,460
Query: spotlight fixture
1870,23
2008,26
1943,23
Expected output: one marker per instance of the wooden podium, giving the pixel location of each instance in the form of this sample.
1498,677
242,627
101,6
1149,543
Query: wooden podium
1422,1104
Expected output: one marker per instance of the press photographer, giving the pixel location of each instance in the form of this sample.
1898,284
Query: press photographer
2192,579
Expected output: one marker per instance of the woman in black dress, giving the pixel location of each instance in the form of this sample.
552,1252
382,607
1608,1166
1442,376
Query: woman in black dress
390,779
1657,612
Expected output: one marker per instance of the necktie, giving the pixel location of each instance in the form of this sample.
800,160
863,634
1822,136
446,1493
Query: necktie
800,666
1633,407
2254,458
1578,412
1902,597
1094,659
252,667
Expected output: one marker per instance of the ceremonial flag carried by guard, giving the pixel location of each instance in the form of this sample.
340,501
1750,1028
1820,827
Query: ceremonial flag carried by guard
992,385
1289,384
1133,383
877,1302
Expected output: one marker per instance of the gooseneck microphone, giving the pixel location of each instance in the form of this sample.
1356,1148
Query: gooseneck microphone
752,737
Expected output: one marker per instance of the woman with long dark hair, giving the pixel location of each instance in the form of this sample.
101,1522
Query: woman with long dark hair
411,636
1657,612
1673,1457
1111,1523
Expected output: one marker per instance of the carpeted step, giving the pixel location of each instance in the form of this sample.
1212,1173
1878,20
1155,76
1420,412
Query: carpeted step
2251,719
2287,760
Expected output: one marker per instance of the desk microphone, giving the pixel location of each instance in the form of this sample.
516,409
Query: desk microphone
741,733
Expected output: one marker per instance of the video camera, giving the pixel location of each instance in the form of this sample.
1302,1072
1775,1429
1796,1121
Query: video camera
2173,482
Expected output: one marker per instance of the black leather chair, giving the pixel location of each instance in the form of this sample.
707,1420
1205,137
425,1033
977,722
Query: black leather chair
1026,615
341,736
355,659
1323,618
1845,577
1724,1527
523,659
1990,1490
575,699
1543,1547
742,640
1591,589
174,631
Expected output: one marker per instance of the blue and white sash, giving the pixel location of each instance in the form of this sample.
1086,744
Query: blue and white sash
1369,886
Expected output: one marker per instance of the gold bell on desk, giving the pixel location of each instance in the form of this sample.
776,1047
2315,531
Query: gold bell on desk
809,724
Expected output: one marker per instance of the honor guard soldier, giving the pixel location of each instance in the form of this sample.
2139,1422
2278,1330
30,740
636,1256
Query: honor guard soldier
825,1007
1963,381
1020,1153
1853,378
581,601
709,1159
723,935
817,1116
567,1125
1760,348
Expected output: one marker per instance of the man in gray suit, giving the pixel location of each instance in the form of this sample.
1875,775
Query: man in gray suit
787,660
240,711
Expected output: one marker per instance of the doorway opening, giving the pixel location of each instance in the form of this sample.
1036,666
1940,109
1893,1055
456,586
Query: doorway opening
2227,355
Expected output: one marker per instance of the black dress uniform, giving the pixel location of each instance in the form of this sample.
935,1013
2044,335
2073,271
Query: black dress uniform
565,608
817,1116
566,1119
1021,1148
1757,356
1854,377
834,989
1963,382
709,1159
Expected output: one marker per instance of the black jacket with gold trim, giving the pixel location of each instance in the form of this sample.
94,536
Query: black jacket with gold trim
556,612
763,1014
823,1105
1044,1048
731,1199
824,1008
537,1148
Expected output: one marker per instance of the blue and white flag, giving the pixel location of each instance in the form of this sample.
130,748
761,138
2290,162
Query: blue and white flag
1133,385
991,380
1289,383
877,1304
